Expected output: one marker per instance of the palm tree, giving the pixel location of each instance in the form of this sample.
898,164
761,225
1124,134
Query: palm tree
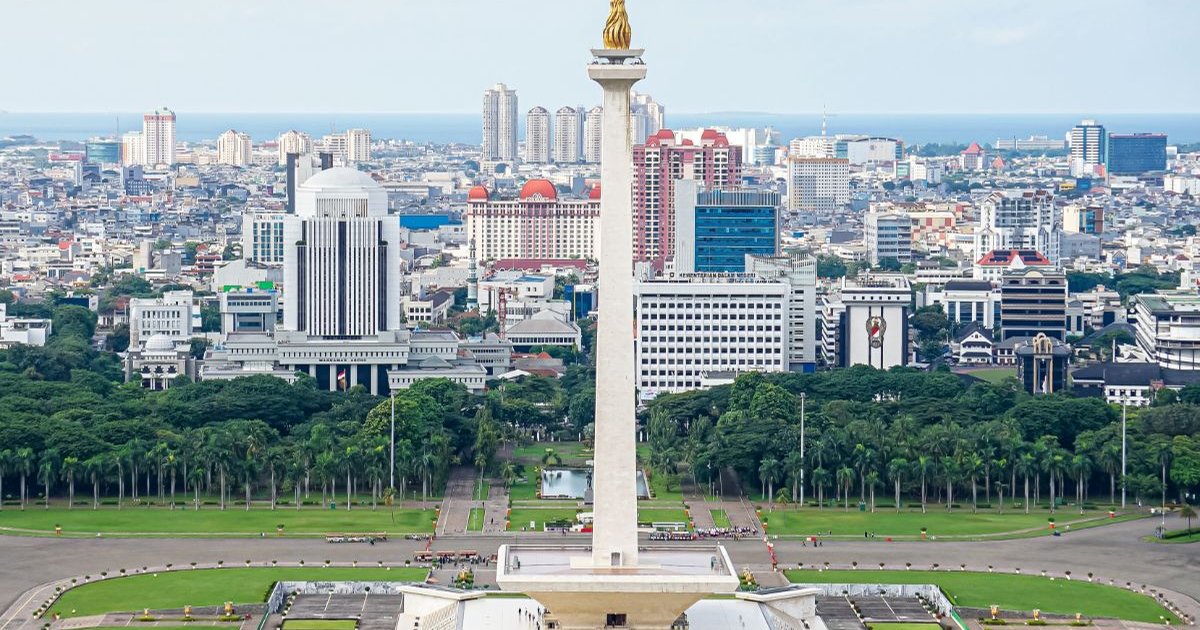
195,478
769,472
95,468
1189,513
951,471
794,464
1108,457
972,466
863,458
1027,466
926,467
1000,465
1081,468
1054,466
6,461
24,462
845,479
872,483
47,467
70,466
820,479
508,472
118,458
896,470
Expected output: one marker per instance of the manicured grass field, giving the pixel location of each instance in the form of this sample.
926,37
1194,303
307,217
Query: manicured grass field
662,516
904,626
572,453
214,522
481,491
320,624
475,520
908,523
524,490
720,519
521,517
658,487
993,375
204,587
1011,592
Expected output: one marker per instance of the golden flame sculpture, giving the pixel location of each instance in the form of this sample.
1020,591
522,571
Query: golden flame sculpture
616,30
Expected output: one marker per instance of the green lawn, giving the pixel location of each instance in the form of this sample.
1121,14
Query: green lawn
905,626
524,490
475,521
658,487
481,491
204,587
720,518
993,375
521,517
662,516
212,521
1010,592
572,453
320,624
908,523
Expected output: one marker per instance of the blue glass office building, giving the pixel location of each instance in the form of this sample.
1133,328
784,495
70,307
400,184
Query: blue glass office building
1136,153
102,152
730,224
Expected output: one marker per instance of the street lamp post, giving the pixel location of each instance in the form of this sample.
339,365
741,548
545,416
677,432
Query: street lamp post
803,396
392,465
1124,416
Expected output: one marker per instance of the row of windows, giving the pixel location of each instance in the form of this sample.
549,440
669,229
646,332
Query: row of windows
689,328
675,340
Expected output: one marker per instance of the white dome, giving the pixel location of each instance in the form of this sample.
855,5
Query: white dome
160,343
341,178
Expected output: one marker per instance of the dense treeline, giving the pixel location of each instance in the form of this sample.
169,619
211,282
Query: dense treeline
929,437
67,420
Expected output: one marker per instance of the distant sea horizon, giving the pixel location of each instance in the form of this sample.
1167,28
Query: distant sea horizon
913,129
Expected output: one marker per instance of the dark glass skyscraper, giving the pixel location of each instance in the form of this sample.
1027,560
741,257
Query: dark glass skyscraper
1136,153
722,226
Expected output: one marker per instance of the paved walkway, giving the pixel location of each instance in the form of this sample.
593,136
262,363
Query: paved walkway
495,509
458,501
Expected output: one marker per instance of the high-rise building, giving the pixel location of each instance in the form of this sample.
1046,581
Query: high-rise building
888,235
800,275
647,117
500,123
233,148
1137,153
873,330
1083,219
335,145
1088,142
537,224
658,164
296,142
592,135
1022,220
537,136
698,331
102,151
175,315
158,133
567,147
358,145
133,148
818,184
262,237
1033,301
341,258
1168,328
715,230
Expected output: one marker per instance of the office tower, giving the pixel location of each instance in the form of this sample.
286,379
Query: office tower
800,275
1167,327
647,116
335,145
133,149
874,327
1033,301
500,123
358,145
262,237
341,258
294,142
888,235
566,135
175,316
658,164
299,168
537,224
233,148
1137,153
812,147
689,330
158,132
1022,220
1088,142
715,230
537,136
591,135
818,184
1083,219
102,151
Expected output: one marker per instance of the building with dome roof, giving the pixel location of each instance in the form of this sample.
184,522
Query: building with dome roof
158,362
538,224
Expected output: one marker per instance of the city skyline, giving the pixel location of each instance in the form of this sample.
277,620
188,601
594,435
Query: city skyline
834,68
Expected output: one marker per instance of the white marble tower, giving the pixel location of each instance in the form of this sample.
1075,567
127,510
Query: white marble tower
614,537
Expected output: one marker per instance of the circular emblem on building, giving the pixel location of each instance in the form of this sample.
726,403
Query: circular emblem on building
876,326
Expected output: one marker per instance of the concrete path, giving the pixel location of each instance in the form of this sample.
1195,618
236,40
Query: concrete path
495,509
458,501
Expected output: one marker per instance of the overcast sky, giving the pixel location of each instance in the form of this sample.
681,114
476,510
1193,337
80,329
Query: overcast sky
779,56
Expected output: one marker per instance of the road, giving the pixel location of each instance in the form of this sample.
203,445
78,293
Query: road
1111,552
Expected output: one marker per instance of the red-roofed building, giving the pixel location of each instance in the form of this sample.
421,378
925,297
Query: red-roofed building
994,264
974,158
537,225
658,163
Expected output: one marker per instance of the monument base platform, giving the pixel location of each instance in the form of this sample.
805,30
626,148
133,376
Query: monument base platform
650,596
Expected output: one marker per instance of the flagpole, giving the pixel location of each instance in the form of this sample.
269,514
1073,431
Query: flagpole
392,468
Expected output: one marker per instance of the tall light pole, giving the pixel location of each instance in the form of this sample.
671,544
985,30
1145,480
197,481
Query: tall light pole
803,396
392,467
1124,417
